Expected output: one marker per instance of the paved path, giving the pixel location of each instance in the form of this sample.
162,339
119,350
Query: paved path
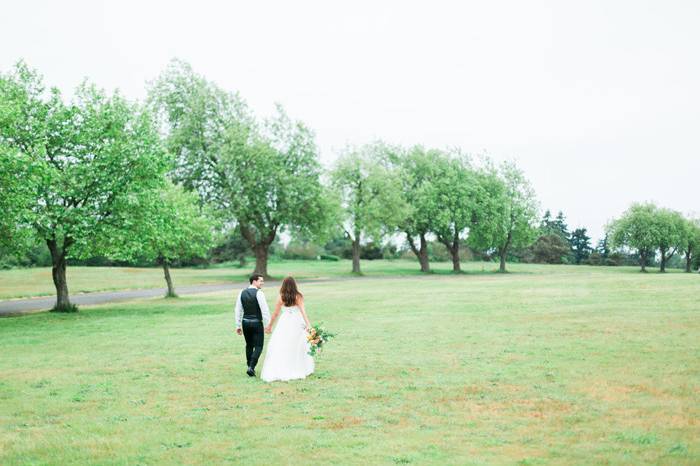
17,307
32,305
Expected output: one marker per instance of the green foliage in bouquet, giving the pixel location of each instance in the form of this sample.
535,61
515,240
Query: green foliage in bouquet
318,336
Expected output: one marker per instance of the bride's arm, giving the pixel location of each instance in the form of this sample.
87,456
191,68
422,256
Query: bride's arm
278,306
300,303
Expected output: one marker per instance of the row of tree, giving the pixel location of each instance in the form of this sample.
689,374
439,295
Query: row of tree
650,230
265,177
100,175
428,192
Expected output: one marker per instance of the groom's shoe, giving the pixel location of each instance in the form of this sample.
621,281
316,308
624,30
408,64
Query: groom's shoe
250,372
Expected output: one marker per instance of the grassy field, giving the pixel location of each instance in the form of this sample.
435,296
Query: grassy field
548,365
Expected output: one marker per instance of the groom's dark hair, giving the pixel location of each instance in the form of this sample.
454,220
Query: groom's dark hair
255,276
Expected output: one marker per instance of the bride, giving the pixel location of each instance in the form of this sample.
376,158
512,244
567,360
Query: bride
287,355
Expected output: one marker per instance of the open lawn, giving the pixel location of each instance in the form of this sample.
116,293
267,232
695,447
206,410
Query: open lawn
548,365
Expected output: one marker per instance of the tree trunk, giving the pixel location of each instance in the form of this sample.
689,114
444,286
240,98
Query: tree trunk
58,273
422,253
688,260
260,246
456,267
356,255
168,279
454,250
643,260
261,259
503,252
662,265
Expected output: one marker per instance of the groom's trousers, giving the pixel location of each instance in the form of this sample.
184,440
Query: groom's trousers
254,334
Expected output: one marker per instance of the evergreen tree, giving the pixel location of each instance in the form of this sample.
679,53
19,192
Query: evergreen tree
581,245
556,226
546,222
603,247
560,226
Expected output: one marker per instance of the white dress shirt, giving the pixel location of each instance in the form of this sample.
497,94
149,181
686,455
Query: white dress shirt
263,308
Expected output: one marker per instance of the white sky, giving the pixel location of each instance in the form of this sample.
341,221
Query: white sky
598,101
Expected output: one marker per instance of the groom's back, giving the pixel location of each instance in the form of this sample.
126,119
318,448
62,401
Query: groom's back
249,301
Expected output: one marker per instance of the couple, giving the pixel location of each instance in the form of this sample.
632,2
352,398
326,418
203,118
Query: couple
287,354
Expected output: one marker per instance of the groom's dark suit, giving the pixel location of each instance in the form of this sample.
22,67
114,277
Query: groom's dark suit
252,311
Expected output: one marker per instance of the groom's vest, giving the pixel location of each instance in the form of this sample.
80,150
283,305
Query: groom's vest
251,307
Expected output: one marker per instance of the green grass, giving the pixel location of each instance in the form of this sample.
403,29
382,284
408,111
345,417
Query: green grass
550,365
23,283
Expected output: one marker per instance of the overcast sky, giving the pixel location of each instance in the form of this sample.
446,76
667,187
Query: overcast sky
597,101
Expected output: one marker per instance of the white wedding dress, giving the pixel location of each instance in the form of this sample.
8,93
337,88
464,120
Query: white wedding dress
287,355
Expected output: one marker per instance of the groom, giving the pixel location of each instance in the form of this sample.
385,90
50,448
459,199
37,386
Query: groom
252,316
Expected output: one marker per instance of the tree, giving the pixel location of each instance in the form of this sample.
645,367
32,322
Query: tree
457,191
581,245
691,244
417,169
546,219
509,222
19,176
264,178
636,229
196,115
550,249
273,183
560,225
670,228
167,226
93,155
557,226
603,247
369,195
232,247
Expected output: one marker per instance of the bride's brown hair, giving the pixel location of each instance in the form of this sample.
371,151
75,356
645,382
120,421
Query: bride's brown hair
289,292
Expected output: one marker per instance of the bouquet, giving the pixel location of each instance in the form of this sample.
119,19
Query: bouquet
317,337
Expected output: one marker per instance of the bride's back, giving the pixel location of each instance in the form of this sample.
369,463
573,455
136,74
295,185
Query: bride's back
289,293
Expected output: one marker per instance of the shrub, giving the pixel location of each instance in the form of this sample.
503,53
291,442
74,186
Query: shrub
595,259
437,252
550,249
340,247
304,251
371,251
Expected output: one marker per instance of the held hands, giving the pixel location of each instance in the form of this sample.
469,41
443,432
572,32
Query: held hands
268,329
239,331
